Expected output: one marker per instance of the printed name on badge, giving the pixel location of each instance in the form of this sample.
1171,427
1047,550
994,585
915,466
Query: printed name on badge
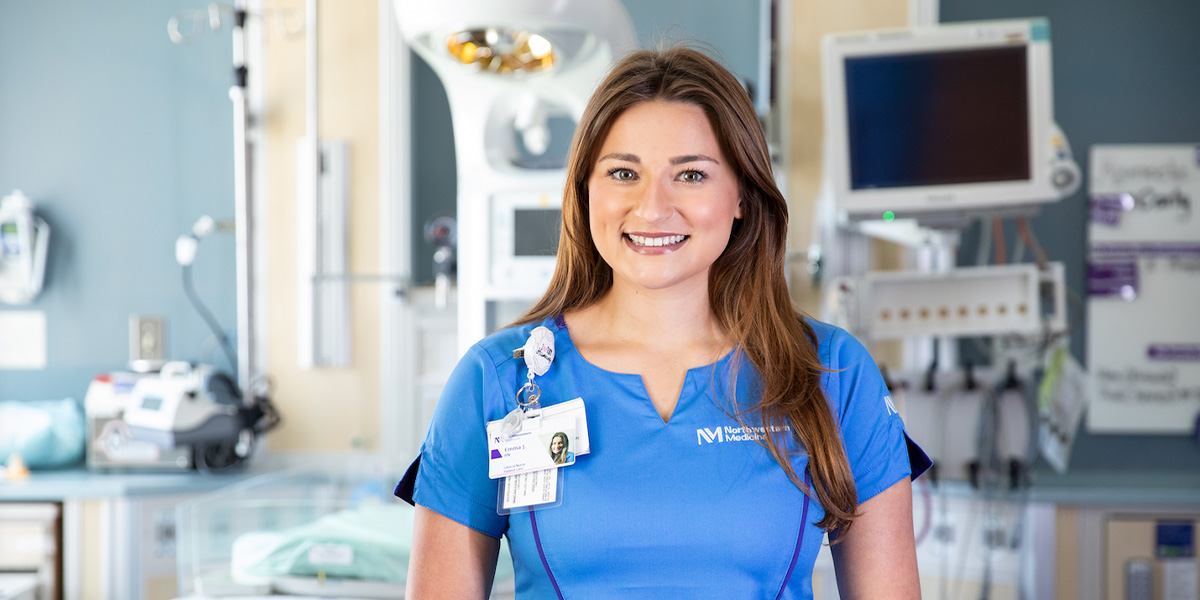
544,444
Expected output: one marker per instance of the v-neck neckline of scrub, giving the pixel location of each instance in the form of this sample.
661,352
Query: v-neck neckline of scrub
688,378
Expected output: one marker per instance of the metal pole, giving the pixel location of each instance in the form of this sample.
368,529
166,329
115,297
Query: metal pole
314,179
243,209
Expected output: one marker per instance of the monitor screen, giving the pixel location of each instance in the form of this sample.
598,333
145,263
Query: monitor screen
938,118
535,231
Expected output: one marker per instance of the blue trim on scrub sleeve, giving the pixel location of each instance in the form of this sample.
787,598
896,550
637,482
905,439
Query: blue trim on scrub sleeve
452,477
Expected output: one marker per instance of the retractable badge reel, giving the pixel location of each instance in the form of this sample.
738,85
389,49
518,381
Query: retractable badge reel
538,353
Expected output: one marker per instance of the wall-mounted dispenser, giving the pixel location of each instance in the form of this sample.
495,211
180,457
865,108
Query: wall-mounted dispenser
24,238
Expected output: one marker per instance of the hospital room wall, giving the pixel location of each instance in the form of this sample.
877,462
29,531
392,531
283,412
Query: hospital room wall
122,139
1123,73
325,410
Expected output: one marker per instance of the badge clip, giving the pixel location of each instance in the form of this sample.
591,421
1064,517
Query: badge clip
538,353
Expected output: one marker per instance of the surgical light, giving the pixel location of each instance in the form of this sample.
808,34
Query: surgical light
501,50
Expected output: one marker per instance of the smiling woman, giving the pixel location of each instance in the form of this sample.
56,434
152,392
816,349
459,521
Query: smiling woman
728,432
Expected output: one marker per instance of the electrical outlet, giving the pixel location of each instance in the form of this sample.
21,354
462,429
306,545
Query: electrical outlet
147,348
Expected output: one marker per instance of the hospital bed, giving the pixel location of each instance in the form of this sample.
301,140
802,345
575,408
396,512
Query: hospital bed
312,532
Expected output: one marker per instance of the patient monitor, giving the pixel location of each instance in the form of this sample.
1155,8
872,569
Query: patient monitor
24,238
956,120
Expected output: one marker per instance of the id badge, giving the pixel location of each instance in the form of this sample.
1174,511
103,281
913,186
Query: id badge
529,462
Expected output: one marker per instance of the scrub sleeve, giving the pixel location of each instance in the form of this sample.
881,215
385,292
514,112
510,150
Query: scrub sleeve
451,474
879,451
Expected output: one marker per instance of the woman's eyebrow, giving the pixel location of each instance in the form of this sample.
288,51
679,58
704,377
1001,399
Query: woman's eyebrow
679,160
633,158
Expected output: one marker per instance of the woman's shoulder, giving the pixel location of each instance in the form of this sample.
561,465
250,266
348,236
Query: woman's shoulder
836,347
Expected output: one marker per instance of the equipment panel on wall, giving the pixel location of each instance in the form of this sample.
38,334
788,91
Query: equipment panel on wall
1143,281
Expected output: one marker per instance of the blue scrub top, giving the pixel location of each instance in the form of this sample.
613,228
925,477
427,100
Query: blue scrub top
691,508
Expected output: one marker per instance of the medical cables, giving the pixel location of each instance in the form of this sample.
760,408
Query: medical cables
999,480
992,470
185,254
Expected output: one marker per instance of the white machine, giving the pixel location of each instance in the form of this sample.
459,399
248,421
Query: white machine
183,405
111,445
926,129
518,75
24,238
956,119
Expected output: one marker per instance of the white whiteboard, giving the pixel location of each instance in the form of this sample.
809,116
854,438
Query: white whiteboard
1143,349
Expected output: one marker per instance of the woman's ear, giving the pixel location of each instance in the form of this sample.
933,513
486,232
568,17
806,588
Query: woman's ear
739,210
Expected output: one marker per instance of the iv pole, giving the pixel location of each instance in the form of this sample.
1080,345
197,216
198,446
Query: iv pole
247,369
243,209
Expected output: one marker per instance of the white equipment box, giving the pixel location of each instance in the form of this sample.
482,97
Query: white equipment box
966,301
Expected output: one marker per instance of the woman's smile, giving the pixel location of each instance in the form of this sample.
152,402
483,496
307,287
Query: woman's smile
655,243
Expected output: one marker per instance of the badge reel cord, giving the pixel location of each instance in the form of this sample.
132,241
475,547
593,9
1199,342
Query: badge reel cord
257,417
538,353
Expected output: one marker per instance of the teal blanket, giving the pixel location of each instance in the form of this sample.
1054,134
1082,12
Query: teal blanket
371,542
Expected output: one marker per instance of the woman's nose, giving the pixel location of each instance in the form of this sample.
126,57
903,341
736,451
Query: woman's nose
655,202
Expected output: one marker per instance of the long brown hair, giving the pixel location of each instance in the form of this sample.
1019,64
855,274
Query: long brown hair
747,290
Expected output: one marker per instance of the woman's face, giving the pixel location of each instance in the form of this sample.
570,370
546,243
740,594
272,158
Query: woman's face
556,445
662,197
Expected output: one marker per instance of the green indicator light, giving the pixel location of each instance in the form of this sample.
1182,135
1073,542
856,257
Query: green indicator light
889,216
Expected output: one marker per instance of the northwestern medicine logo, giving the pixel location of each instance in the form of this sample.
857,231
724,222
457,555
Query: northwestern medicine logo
728,433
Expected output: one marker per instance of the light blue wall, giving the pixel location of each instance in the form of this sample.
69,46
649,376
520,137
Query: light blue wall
123,140
1124,72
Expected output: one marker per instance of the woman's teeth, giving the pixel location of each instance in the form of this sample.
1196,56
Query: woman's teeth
641,240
